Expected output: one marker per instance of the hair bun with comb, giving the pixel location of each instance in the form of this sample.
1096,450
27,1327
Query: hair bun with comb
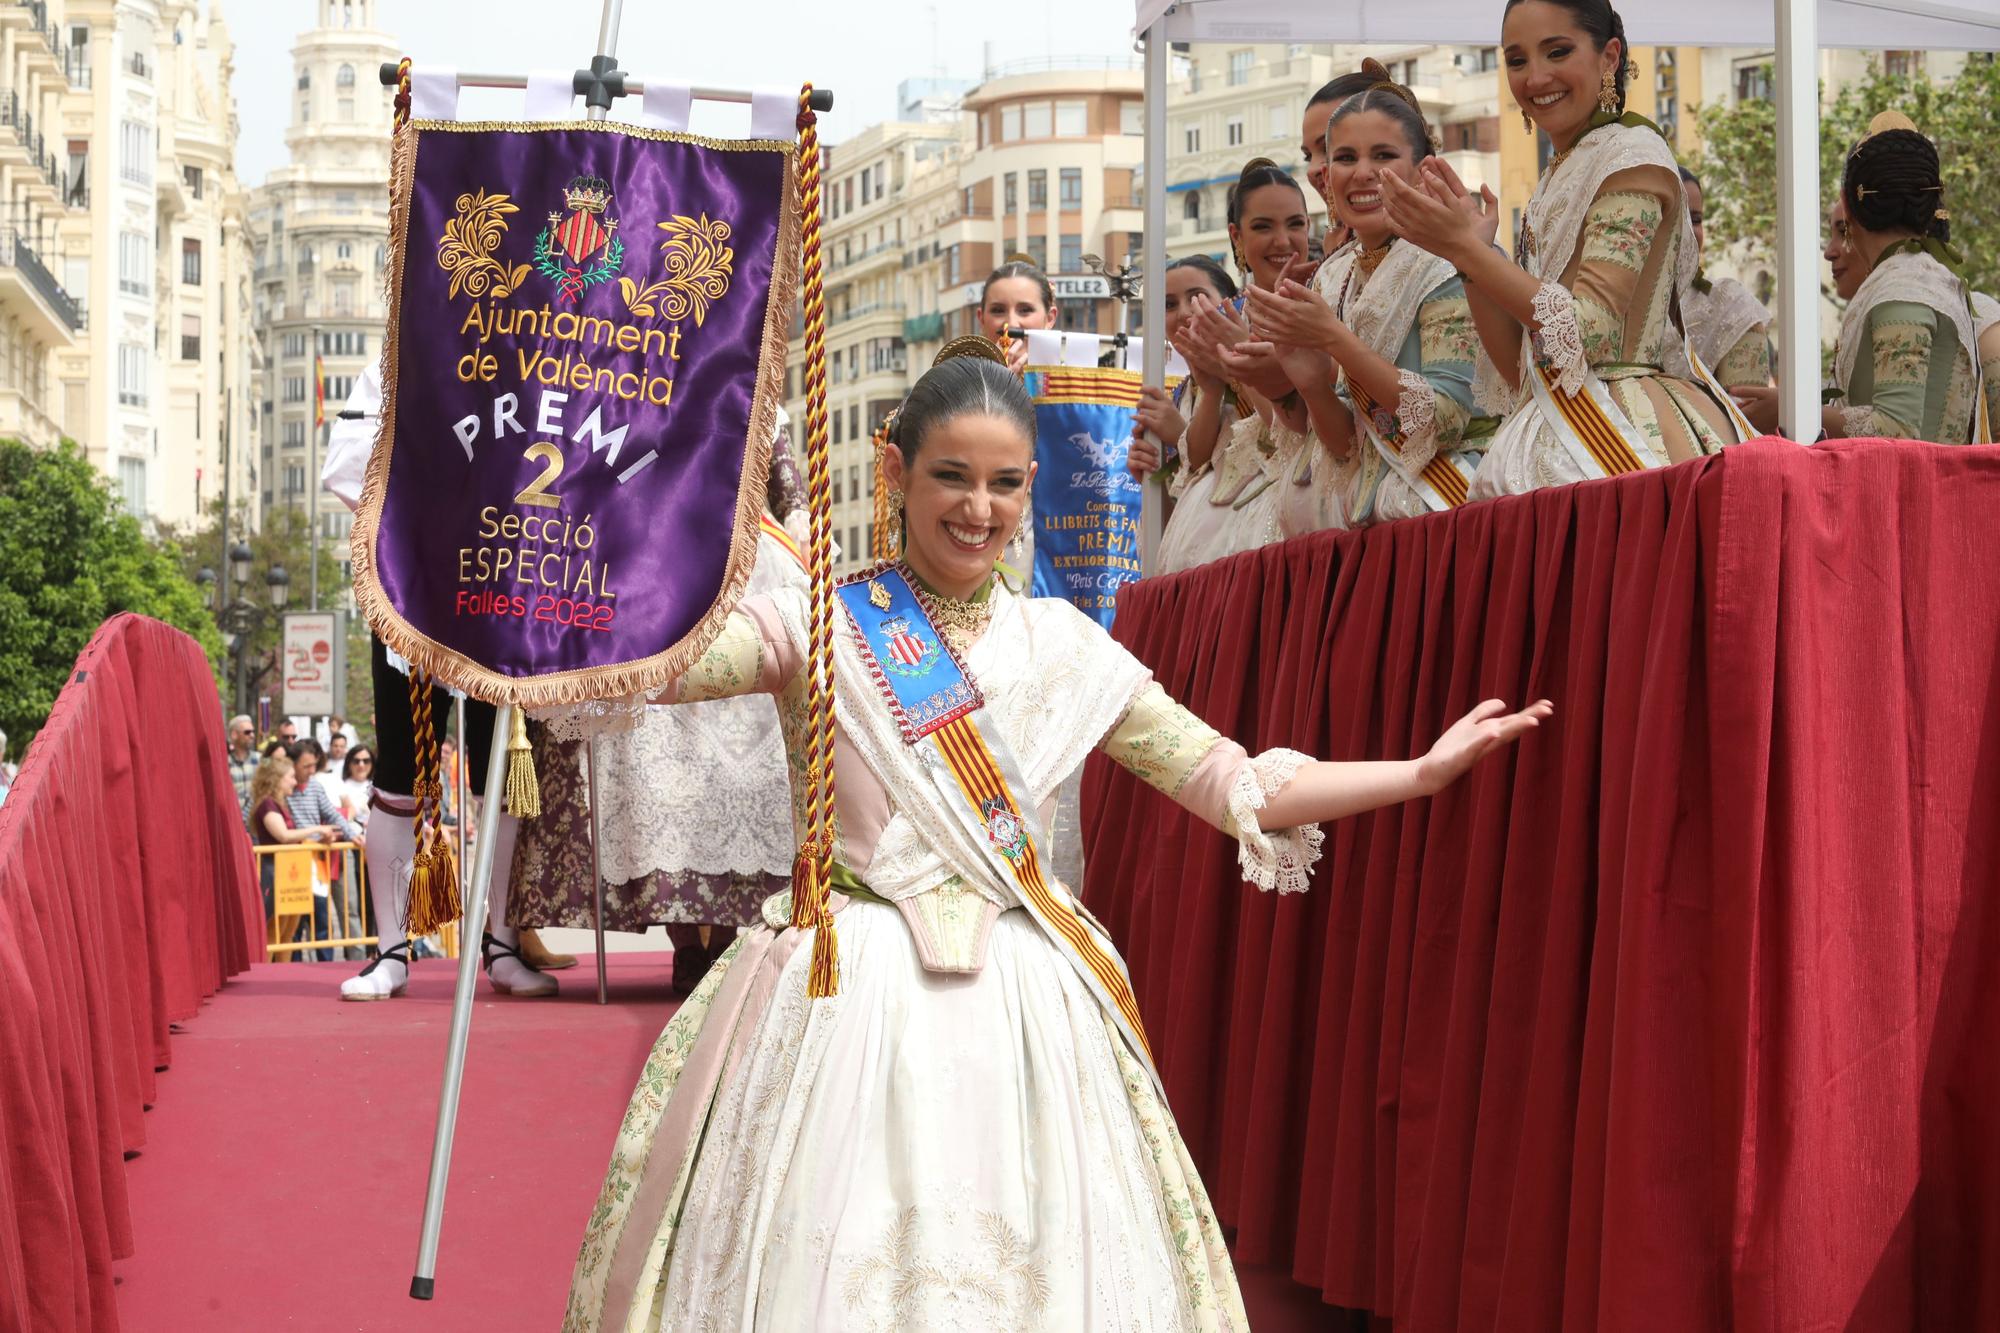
972,344
1376,70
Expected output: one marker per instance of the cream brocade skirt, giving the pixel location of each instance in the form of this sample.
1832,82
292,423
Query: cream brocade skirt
1670,415
922,1151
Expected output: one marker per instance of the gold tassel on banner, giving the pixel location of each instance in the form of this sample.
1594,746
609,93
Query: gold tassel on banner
812,873
524,793
434,900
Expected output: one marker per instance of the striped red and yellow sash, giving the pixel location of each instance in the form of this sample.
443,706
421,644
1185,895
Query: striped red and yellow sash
1449,483
979,778
777,533
1606,444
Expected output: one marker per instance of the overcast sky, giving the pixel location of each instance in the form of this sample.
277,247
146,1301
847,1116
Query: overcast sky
861,49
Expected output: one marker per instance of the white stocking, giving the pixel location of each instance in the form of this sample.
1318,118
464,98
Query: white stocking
391,845
509,975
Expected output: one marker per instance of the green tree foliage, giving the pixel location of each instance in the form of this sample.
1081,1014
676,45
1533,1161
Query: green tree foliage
1738,163
71,558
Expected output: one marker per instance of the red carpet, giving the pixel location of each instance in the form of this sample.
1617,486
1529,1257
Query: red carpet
283,1179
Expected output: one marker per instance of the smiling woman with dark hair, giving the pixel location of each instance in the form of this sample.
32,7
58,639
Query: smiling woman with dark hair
1583,350
920,1097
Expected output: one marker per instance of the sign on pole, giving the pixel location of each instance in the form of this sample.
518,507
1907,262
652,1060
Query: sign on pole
314,658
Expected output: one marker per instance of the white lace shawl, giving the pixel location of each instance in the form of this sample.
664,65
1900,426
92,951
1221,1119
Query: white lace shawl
1902,277
1555,215
1382,309
1718,318
1055,684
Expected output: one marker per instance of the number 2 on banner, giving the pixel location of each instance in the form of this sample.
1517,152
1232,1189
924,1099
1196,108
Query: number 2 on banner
536,492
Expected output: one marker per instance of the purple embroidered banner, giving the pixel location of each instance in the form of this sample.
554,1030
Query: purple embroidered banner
586,351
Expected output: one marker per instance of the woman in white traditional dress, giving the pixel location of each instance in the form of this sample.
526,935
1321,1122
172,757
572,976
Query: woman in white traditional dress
1196,420
1271,232
1381,345
1728,325
1906,365
969,1133
1583,347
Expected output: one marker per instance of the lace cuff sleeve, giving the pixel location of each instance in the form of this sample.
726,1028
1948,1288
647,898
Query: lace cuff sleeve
1558,339
1413,432
1280,859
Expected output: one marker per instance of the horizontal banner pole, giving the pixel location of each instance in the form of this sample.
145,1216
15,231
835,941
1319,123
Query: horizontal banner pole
822,98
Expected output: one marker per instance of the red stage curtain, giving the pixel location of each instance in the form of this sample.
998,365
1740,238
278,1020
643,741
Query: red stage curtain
1680,1017
127,895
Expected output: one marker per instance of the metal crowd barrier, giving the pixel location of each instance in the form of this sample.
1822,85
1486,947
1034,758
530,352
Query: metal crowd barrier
300,923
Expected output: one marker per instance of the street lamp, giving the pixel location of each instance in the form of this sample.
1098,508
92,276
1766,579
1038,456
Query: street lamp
205,580
242,618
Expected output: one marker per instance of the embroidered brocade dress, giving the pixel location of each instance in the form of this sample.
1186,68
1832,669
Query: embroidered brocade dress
1730,329
1435,352
1986,321
961,1138
1904,359
1240,500
1605,306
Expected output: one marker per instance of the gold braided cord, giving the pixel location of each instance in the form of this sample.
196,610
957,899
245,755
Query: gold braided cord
434,898
402,94
812,871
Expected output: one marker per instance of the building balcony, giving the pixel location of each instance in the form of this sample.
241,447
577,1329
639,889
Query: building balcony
889,253
924,328
33,293
875,310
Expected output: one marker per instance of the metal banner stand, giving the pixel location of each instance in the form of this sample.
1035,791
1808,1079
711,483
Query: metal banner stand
599,86
596,871
424,1284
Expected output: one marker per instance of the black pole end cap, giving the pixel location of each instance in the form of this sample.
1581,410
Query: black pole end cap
422,1288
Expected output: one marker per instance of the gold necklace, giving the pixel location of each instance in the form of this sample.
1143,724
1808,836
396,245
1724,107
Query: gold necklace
1370,260
960,620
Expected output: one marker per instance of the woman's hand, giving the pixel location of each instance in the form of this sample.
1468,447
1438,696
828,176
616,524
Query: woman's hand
1760,403
1017,356
1295,314
1473,737
1142,456
1209,372
1216,327
1419,216
1158,414
1483,209
1257,366
1304,367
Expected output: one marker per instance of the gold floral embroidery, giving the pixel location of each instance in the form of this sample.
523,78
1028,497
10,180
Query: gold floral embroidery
730,667
1749,362
699,263
1159,741
465,251
1006,1283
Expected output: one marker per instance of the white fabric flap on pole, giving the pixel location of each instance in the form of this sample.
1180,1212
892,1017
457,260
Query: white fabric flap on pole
1054,347
667,106
551,94
1962,25
433,92
1135,357
774,113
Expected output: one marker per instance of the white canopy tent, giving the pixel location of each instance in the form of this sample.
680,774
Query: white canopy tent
1794,29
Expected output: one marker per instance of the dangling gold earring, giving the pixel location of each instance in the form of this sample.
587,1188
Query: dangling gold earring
1607,93
893,542
1018,543
1527,121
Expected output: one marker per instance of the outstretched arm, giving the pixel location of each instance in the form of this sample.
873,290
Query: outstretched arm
1320,792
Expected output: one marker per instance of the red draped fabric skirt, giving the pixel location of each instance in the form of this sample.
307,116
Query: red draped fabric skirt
1683,1016
126,897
